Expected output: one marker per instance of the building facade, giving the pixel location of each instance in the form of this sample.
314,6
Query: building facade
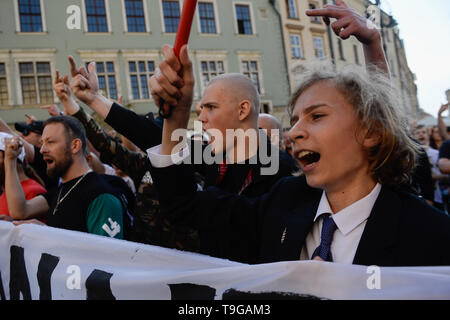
308,39
124,38
305,39
268,40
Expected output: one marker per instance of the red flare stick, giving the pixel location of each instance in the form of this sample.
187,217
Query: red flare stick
184,28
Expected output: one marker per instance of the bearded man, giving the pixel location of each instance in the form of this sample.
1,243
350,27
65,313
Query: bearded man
83,202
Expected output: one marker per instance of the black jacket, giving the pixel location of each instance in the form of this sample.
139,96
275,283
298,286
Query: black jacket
145,132
216,241
402,229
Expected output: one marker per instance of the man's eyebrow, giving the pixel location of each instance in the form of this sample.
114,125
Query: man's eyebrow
209,103
314,106
309,109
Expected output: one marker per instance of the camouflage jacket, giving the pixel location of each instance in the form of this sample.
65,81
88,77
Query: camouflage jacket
133,164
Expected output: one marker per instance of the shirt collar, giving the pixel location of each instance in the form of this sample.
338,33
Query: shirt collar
352,216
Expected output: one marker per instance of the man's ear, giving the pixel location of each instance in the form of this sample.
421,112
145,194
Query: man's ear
76,146
245,108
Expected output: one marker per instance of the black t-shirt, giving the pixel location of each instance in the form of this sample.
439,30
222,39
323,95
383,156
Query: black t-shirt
71,212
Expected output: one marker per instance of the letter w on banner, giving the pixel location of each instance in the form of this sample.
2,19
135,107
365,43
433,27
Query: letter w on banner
39,262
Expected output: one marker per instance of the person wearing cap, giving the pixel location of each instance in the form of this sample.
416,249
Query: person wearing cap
32,132
32,185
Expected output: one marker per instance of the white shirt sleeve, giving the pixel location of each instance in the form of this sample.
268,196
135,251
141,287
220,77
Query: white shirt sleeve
162,161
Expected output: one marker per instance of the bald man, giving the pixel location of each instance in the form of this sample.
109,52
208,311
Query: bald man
272,126
231,103
229,111
229,114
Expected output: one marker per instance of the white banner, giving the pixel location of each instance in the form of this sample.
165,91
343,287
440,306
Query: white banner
39,262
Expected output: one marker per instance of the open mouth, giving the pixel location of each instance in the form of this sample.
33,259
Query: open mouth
48,161
308,158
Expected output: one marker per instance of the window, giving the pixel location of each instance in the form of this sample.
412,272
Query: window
30,15
265,108
210,69
106,79
3,85
207,18
250,65
292,9
171,12
96,16
312,6
209,64
36,82
355,51
250,69
296,46
318,47
134,10
244,23
140,72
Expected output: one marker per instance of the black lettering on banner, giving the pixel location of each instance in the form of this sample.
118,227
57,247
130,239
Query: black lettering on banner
45,269
2,291
18,282
98,286
190,291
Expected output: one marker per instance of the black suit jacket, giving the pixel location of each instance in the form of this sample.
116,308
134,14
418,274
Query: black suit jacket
146,132
402,230
215,241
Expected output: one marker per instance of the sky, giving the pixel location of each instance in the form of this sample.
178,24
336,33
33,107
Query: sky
425,29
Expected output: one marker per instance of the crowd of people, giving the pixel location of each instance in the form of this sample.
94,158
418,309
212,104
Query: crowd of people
347,187
431,178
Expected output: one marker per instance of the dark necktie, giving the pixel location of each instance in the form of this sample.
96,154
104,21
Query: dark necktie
324,248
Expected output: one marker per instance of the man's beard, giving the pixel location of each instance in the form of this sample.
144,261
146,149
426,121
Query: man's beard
60,167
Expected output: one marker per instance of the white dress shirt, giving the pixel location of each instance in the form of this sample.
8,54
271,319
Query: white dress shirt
350,224
159,160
